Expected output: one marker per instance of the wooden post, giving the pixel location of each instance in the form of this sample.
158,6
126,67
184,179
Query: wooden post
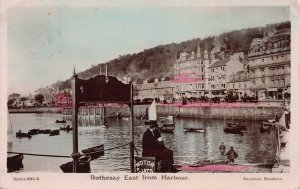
104,115
94,116
75,106
132,130
89,112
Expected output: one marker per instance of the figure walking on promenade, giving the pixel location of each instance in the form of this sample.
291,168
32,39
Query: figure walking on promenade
231,155
222,149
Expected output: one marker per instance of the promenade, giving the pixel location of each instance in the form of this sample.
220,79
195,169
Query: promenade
239,110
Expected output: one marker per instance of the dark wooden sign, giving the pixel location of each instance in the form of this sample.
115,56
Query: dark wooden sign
145,164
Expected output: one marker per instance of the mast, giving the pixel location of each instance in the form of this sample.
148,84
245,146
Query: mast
75,108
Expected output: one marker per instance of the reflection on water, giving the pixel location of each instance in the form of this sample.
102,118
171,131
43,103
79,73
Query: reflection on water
252,147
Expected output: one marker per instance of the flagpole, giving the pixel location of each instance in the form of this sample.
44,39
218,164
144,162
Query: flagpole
75,155
132,130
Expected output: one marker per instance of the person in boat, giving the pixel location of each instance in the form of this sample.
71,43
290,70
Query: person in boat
231,155
222,149
153,146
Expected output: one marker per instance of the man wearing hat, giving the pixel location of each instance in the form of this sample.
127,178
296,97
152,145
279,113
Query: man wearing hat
153,147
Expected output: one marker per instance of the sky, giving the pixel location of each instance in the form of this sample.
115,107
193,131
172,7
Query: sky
44,44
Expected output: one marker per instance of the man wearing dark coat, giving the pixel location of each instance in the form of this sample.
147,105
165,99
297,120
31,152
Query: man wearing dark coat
153,146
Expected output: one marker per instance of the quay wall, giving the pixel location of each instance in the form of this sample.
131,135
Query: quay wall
36,110
248,113
208,112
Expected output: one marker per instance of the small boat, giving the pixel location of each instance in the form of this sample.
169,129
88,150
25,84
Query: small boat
94,152
44,131
54,132
167,129
82,167
168,124
166,120
103,125
266,127
195,130
14,163
33,131
67,128
242,126
233,130
60,121
20,134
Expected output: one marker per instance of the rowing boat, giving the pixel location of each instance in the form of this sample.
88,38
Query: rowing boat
94,152
197,130
82,167
14,163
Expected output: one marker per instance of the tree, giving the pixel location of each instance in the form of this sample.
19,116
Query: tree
23,99
14,96
39,98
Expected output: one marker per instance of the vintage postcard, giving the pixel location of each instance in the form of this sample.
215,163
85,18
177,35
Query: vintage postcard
172,94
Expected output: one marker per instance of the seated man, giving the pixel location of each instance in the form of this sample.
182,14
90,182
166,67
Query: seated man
153,147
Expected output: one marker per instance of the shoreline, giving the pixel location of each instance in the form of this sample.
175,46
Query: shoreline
247,111
36,110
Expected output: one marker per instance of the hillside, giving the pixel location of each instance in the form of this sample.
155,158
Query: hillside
158,62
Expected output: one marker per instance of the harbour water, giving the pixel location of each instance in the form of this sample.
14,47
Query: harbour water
252,147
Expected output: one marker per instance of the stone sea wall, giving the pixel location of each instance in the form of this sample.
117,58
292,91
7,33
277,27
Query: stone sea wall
204,112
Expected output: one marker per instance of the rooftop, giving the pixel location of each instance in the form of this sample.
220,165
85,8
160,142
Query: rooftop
219,63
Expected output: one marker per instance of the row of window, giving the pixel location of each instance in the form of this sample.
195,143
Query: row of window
272,59
269,71
188,64
222,68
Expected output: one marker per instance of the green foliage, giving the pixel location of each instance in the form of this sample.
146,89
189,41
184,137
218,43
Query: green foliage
14,96
39,98
24,99
158,62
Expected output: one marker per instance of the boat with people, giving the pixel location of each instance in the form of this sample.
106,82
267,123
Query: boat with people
233,129
242,126
82,167
95,152
54,132
167,124
15,163
167,129
194,130
44,131
21,134
33,131
66,128
60,121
